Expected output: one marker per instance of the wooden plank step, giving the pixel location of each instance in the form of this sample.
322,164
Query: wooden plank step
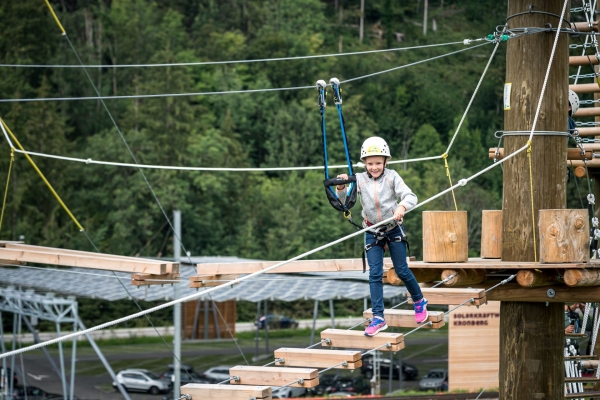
358,340
406,318
200,281
582,379
576,335
226,392
318,358
596,357
584,395
95,261
150,279
274,376
453,296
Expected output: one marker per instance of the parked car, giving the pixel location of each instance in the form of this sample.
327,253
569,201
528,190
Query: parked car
325,381
8,373
142,380
187,375
276,321
33,393
436,379
352,385
409,371
217,374
278,392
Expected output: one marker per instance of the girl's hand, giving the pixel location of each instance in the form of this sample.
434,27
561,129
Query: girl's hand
399,213
344,177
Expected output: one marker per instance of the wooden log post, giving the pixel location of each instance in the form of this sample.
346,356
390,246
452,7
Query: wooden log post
491,234
582,277
445,236
531,334
564,236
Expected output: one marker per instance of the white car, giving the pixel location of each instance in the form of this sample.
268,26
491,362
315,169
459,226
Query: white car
217,374
142,380
287,392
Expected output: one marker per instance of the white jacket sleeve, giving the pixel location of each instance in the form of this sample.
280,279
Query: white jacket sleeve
407,198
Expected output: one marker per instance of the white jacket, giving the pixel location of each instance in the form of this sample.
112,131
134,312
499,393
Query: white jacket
379,197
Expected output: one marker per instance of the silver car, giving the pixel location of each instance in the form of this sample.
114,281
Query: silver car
142,380
436,379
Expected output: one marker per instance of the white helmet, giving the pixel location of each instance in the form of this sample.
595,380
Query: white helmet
574,101
374,146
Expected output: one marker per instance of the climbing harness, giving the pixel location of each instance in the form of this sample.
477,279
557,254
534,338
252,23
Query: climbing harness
382,239
332,196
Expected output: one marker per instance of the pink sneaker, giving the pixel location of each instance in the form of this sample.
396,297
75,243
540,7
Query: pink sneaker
377,325
421,311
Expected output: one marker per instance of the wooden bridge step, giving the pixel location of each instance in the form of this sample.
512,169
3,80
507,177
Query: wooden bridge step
226,392
584,395
318,358
358,340
406,318
274,376
582,379
454,296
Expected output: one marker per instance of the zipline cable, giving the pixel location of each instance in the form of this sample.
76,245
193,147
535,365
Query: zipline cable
147,96
201,63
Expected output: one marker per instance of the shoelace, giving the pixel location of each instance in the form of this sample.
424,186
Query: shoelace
419,306
375,322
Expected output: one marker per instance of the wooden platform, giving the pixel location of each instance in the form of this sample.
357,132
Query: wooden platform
584,395
317,358
406,318
274,376
144,271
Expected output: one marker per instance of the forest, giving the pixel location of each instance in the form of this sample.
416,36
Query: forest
257,215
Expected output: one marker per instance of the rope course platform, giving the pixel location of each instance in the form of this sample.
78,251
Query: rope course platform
141,269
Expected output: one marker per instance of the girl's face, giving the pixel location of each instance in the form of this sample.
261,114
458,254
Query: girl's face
375,165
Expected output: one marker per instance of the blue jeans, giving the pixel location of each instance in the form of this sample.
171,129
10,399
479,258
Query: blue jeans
375,259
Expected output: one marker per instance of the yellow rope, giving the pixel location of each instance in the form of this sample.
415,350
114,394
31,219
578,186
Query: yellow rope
55,17
43,177
445,157
12,159
532,203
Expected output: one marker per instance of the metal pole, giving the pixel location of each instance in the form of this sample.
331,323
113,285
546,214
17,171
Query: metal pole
73,353
177,309
196,318
266,328
62,363
205,319
36,340
103,360
214,311
257,338
425,18
332,313
401,377
314,325
361,33
12,359
391,372
4,383
20,326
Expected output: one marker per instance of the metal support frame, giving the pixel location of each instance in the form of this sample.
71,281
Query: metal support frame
332,313
28,304
176,309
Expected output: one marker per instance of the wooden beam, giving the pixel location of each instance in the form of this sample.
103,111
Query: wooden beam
463,276
532,278
172,267
582,88
582,379
200,281
562,294
406,318
421,275
582,60
593,163
150,280
572,153
587,112
226,392
589,363
358,340
586,26
584,277
592,146
584,395
593,131
356,265
70,260
274,376
316,358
